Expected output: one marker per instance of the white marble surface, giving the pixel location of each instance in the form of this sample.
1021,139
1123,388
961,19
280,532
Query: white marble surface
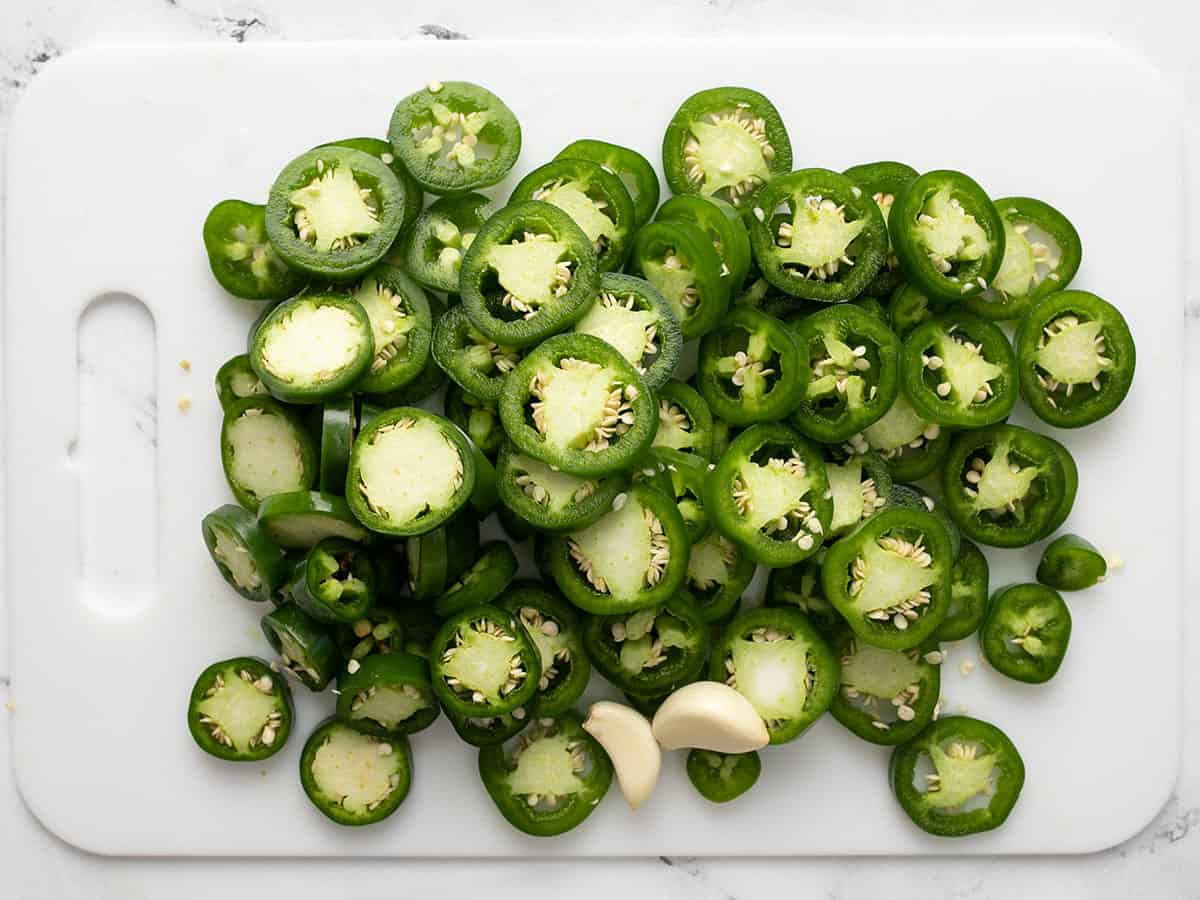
1161,862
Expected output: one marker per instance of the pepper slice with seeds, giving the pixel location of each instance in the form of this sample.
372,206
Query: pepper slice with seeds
816,235
718,572
335,582
770,495
549,778
353,777
778,661
1075,359
721,777
680,261
909,496
947,234
959,776
235,380
431,251
483,582
649,651
265,450
305,646
594,198
474,362
478,418
959,370
1006,486
1069,563
551,500
455,136
240,710
890,578
313,347
247,559
635,318
680,476
887,696
968,595
333,212
860,484
554,627
410,471
631,167
379,631
883,181
853,360
907,308
484,731
633,557
799,586
414,201
240,256
725,142
1042,253
387,695
300,519
1026,632
750,368
575,403
685,422
483,663
725,229
530,273
910,446
401,328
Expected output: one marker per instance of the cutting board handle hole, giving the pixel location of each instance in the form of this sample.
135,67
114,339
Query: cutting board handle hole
115,456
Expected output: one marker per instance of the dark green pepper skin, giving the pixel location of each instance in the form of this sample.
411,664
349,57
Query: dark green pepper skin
382,151
724,226
723,509
235,380
483,582
626,163
623,450
1026,632
721,777
578,514
968,595
822,664
348,263
444,643
1050,492
232,668
565,675
918,705
277,513
1015,213
681,664
495,764
839,401
241,258
695,410
800,587
908,307
438,557
337,435
265,406
750,107
922,368
431,251
964,276
473,362
643,296
1071,563
883,182
269,562
958,729
385,671
291,626
482,294
1113,344
427,108
917,527
597,183
769,347
489,730
478,418
868,251
423,385
335,582
330,806
396,364
663,250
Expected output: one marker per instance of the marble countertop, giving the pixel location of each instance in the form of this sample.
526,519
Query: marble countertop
1161,862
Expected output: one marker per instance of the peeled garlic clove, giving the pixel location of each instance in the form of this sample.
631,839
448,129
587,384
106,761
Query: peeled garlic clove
626,737
709,715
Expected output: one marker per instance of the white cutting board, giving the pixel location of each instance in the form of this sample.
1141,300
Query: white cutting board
115,158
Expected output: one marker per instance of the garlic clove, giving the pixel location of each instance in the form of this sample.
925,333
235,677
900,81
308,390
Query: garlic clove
709,715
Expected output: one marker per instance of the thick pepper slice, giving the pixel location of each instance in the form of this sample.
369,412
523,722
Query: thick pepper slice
721,777
631,167
401,328
554,627
778,661
484,731
685,422
1070,563
483,582
577,404
817,236
718,572
437,558
455,136
883,181
335,582
338,424
551,780
529,273
860,484
890,578
265,450
1026,632
240,256
970,758
680,261
387,695
483,663
235,380
240,710
680,476
887,696
381,767
550,500
474,362
305,646
968,594
1075,358
300,519
431,251
724,226
247,559
750,368
853,358
947,234
770,495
